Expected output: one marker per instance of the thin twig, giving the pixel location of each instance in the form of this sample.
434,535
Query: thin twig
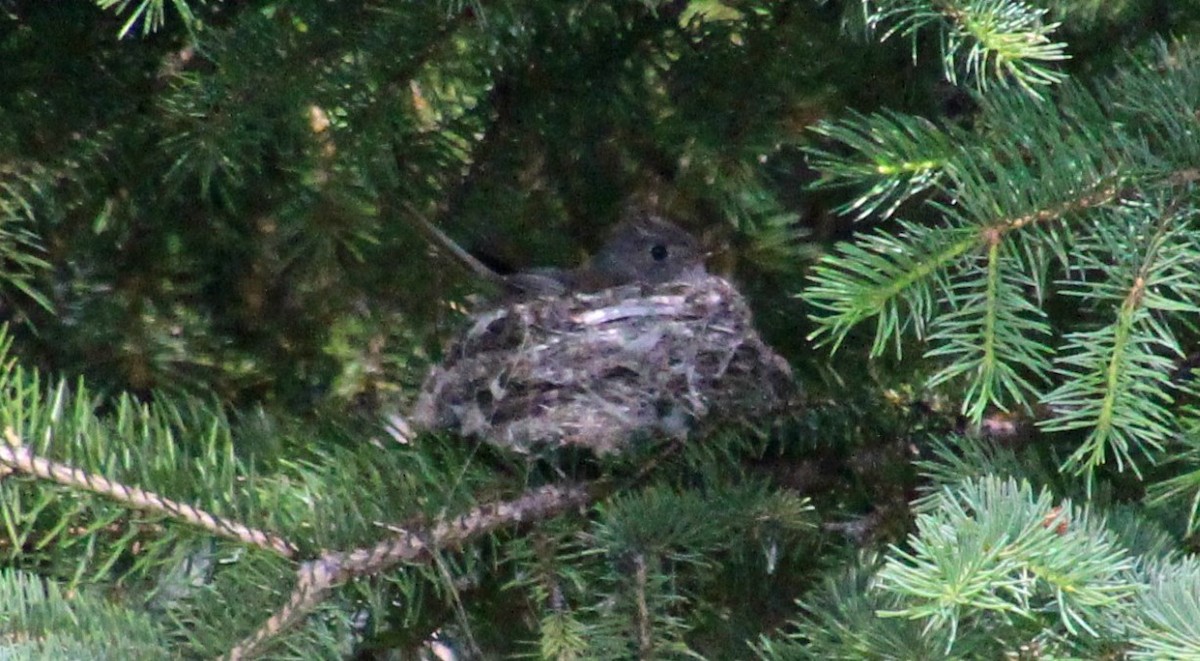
465,258
641,582
1097,196
315,579
16,455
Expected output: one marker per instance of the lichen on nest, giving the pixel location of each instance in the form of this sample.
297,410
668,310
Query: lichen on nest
602,370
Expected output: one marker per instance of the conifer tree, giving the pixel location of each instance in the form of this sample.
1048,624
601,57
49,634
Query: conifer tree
969,225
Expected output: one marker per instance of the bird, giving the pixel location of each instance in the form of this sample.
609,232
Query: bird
638,341
644,248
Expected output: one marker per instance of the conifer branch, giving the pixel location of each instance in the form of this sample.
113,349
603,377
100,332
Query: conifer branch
894,156
1117,379
992,332
316,578
16,455
994,546
642,625
1004,40
984,323
1170,628
1185,488
150,14
1101,194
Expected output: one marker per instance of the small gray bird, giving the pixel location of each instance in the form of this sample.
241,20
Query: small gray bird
643,249
575,358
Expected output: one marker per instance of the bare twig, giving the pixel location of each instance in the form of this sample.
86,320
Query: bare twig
315,579
16,455
465,258
641,581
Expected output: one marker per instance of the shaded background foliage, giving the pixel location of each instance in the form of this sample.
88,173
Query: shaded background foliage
220,203
218,207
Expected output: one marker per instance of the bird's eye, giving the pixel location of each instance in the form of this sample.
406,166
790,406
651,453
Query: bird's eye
659,252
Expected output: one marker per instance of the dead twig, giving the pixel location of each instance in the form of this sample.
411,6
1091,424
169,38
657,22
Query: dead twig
16,455
316,578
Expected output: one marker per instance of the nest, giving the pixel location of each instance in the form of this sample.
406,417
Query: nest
605,369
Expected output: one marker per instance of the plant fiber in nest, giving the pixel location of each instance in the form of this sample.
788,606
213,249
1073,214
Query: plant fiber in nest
604,369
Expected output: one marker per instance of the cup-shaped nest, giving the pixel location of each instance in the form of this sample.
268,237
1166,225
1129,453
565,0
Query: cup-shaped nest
603,370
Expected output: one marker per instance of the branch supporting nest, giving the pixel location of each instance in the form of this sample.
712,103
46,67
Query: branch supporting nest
316,578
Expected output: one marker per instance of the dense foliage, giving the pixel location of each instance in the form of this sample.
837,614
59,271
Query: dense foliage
970,225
